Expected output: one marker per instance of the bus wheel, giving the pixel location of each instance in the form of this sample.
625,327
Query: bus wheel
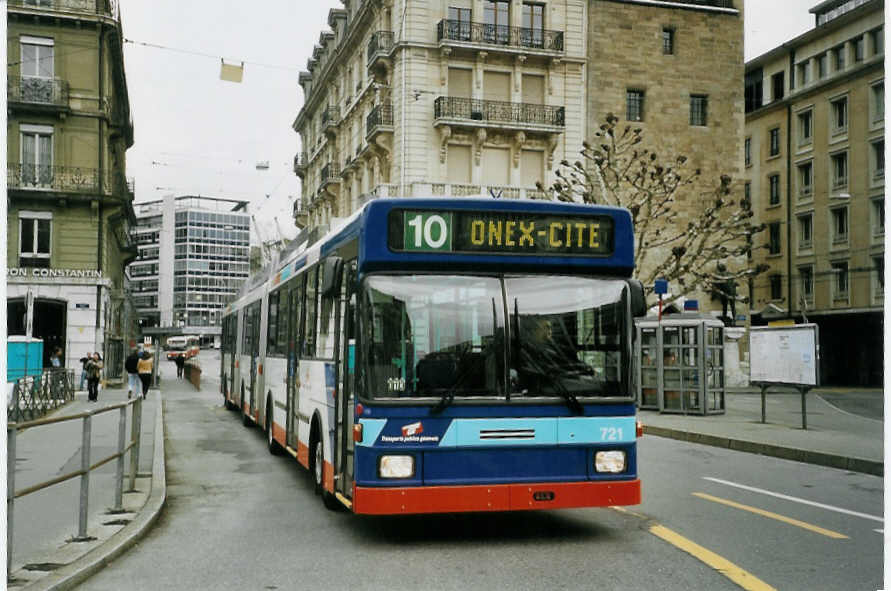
226,402
318,471
274,448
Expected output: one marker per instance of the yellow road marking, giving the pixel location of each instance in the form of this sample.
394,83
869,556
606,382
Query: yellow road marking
783,518
743,578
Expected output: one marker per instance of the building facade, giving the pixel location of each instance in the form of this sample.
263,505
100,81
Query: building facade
672,69
70,203
814,159
454,97
193,259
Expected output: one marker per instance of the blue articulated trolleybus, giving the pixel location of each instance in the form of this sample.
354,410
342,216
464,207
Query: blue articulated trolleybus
444,355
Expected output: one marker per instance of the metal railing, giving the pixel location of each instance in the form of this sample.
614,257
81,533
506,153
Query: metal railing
35,395
488,34
330,172
87,465
73,179
299,161
710,3
37,91
330,116
381,42
452,107
380,115
101,7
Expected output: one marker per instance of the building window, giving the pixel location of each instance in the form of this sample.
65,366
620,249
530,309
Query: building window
878,159
878,216
878,41
533,22
839,54
635,105
459,23
774,181
774,236
776,287
878,102
803,74
839,116
35,238
774,140
840,225
667,41
859,45
747,194
748,151
37,155
698,110
778,84
37,57
878,264
805,231
805,130
805,179
840,283
496,16
822,65
839,170
806,275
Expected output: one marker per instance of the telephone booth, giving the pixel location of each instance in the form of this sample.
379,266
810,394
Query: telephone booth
680,364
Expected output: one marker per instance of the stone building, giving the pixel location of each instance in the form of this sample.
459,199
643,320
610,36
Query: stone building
70,204
814,160
456,97
672,68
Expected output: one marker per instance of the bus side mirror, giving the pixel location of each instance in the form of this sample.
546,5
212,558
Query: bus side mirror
638,300
331,276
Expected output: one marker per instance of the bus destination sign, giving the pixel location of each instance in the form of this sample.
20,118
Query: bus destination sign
502,232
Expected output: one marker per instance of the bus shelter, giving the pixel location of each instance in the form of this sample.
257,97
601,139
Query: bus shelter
680,364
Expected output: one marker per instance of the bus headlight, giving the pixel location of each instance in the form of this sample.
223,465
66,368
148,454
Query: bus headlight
612,462
396,466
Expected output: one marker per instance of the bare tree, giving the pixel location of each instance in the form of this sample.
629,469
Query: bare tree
697,238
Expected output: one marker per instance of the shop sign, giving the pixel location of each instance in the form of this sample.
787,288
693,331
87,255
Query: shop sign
44,273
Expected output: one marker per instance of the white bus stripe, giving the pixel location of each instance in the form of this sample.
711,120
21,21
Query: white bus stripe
795,499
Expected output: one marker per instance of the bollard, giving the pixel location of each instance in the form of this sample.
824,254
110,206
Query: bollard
10,491
135,437
119,472
84,479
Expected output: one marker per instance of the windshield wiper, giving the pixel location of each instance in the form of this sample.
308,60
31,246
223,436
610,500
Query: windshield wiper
449,396
571,401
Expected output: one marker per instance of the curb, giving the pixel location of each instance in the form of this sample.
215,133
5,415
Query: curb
89,564
873,467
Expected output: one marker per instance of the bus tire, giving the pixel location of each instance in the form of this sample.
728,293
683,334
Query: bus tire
273,446
317,464
226,402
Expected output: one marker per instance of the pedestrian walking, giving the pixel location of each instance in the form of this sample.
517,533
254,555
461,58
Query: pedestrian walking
180,365
131,365
144,367
56,357
94,374
83,370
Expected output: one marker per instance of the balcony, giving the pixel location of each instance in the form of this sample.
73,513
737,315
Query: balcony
515,39
330,174
87,7
379,46
379,120
705,3
330,119
43,94
56,179
450,110
300,164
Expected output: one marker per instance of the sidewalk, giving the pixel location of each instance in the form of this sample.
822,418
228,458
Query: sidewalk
43,555
834,437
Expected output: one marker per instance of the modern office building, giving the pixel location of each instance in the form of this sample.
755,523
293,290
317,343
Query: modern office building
455,98
814,160
69,202
194,256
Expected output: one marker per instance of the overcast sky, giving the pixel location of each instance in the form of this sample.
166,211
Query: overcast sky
197,134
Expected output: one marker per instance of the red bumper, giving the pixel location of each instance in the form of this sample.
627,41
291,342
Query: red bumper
496,497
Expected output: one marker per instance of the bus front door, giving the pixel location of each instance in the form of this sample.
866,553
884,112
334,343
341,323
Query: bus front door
345,408
291,403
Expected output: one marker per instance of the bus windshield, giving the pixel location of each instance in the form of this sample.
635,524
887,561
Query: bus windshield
436,335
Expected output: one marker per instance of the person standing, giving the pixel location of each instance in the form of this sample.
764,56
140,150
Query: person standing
94,374
180,361
131,365
144,368
56,357
83,371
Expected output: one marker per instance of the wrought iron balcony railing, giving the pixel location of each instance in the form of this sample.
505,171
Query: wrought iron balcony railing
381,42
710,3
100,7
330,172
380,115
299,161
521,37
450,107
37,91
69,179
330,116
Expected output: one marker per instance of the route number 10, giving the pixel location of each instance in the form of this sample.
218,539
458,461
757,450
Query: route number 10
427,231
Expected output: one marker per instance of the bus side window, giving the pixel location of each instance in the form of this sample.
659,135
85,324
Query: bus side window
309,333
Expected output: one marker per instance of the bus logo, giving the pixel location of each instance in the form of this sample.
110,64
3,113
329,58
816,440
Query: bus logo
413,429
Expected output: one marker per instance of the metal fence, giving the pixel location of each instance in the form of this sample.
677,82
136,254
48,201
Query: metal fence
87,465
34,396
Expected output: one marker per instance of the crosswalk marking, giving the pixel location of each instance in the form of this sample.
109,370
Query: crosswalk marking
802,524
795,499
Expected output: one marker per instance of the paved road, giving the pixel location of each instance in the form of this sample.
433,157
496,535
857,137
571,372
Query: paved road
865,404
240,518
